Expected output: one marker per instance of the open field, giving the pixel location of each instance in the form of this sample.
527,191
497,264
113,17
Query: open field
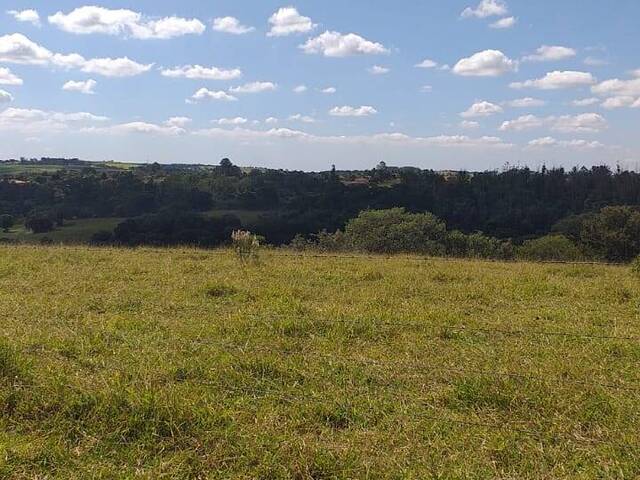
73,231
186,364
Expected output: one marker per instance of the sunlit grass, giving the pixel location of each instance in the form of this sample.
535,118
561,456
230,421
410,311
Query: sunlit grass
184,363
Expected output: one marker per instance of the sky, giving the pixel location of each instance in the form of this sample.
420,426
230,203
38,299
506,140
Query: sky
456,84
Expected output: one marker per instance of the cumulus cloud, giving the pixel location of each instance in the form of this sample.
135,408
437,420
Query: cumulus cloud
486,8
86,87
31,121
426,63
178,122
488,63
231,121
329,90
378,70
334,44
5,97
348,111
16,48
92,19
254,87
548,53
206,94
594,62
288,21
526,102
546,142
142,128
504,23
298,117
557,80
617,87
198,72
115,67
584,123
612,103
8,78
469,124
585,102
481,109
271,120
300,89
28,16
230,25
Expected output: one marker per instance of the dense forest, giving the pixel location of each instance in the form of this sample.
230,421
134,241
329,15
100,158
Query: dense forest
176,204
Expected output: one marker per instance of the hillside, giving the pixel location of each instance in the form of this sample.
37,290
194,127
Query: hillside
185,363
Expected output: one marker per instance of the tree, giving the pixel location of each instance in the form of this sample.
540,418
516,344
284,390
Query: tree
613,234
6,222
395,231
39,224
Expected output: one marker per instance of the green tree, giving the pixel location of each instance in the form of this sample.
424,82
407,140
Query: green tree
6,222
613,234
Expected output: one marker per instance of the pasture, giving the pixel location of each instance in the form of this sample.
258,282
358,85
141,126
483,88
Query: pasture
185,363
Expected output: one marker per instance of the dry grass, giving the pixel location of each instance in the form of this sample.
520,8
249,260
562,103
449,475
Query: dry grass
185,364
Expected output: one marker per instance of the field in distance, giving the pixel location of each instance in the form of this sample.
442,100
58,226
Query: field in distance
184,363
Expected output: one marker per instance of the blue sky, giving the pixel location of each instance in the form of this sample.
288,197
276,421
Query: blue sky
518,82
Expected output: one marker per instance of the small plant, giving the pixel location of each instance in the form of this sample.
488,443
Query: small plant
635,267
246,245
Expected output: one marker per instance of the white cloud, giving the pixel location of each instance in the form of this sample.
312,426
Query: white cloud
300,89
115,67
486,8
548,53
585,102
488,63
86,87
636,73
504,23
329,90
5,97
178,122
202,73
254,87
426,63
142,128
617,87
619,102
271,120
546,142
298,117
230,25
29,16
31,121
93,19
594,62
8,78
469,125
231,121
17,48
585,123
426,89
481,109
334,44
348,111
557,80
206,94
287,21
378,70
526,102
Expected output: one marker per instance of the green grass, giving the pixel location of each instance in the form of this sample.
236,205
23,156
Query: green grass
72,232
183,363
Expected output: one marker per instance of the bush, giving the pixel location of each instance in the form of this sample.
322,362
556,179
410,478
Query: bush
246,245
613,234
550,248
6,222
396,231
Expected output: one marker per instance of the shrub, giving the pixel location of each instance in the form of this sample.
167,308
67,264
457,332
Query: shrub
396,231
550,248
246,245
6,222
39,224
613,234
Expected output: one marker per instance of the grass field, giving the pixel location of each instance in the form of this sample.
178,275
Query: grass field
73,231
186,364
